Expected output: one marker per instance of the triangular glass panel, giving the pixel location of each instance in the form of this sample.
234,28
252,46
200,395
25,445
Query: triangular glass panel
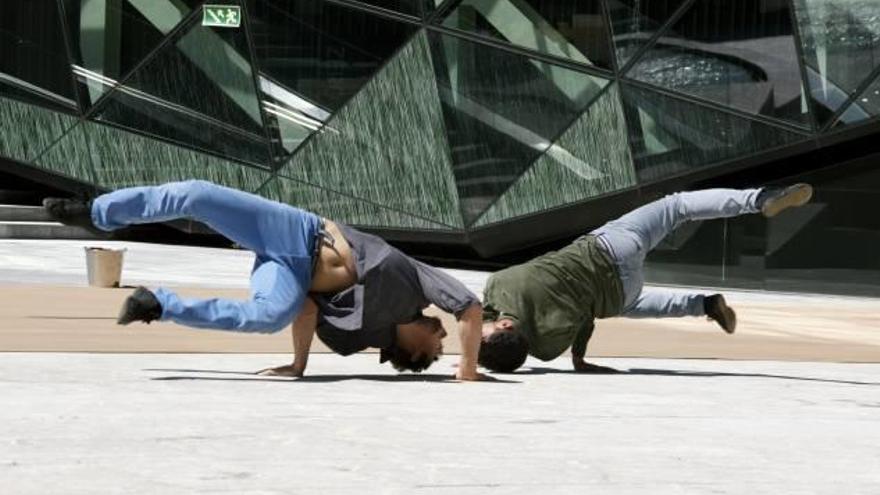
116,158
386,146
27,131
841,41
866,106
342,208
198,91
313,59
28,93
110,37
502,110
670,136
591,158
33,59
634,23
571,30
741,55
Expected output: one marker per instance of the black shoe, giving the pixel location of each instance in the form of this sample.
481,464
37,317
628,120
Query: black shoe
75,212
717,309
771,201
142,305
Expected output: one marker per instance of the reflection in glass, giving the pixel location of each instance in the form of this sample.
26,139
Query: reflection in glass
291,117
634,22
798,251
865,106
33,59
199,91
592,157
692,254
387,145
313,57
841,46
869,100
739,54
502,111
343,208
144,114
417,8
671,136
110,37
572,30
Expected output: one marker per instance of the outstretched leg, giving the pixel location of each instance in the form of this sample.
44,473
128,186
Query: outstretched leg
664,303
283,238
255,223
648,225
629,238
277,295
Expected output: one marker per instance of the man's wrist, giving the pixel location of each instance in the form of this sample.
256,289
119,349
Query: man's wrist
467,364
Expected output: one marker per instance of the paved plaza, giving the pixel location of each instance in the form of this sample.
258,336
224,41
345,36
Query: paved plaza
147,423
790,404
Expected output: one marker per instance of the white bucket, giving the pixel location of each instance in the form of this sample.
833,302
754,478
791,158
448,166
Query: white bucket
104,266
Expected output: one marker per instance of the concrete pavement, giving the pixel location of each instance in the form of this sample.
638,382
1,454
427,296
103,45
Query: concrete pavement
141,423
145,424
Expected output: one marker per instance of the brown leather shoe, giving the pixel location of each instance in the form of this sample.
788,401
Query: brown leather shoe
717,309
772,201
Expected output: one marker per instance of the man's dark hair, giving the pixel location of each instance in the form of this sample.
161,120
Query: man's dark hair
504,352
402,360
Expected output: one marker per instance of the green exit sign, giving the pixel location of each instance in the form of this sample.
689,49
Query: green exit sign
221,16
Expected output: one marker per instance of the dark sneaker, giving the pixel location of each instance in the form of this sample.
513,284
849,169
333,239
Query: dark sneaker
141,305
771,201
717,309
75,212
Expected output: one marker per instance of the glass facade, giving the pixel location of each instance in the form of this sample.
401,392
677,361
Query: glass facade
830,245
573,30
34,63
740,54
466,119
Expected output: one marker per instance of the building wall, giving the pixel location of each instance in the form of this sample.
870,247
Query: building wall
464,121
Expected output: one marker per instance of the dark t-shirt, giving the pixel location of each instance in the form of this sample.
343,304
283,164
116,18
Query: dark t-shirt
555,297
392,288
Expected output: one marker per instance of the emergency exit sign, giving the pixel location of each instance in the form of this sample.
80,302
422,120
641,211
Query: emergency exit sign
221,16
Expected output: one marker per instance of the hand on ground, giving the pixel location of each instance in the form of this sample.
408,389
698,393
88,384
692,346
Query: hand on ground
582,366
472,376
291,370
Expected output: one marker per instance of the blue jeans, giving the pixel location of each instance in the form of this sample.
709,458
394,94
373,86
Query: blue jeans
629,239
282,237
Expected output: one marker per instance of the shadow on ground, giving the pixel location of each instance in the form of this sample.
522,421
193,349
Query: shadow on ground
247,376
508,378
692,374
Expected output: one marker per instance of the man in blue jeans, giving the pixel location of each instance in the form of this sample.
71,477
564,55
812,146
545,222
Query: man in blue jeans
548,304
351,288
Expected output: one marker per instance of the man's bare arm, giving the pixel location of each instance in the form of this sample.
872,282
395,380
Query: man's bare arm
579,351
470,330
302,332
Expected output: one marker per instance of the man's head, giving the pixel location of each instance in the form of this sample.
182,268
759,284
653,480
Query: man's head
418,344
504,347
